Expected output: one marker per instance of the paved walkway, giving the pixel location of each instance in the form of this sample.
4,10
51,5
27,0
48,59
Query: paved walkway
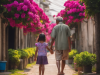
51,68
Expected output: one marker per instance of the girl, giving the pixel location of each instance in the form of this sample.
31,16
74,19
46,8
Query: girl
42,53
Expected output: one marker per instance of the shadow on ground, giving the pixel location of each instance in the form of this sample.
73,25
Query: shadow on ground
27,70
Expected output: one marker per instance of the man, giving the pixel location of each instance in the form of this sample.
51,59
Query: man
61,35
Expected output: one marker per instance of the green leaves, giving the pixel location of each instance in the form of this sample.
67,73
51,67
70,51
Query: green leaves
4,2
73,53
78,60
92,6
15,55
85,59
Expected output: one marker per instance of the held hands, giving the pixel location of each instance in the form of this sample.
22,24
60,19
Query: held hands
51,50
35,59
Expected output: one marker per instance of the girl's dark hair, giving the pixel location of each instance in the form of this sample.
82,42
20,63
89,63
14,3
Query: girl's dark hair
41,37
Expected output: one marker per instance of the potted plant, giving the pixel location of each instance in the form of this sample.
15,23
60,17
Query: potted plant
88,61
75,66
24,56
31,54
14,58
79,65
72,54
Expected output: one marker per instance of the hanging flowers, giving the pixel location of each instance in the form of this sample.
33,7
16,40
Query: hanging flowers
26,14
74,12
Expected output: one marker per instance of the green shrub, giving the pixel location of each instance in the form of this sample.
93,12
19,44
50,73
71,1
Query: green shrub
30,51
88,58
85,59
73,53
14,56
93,69
78,60
23,53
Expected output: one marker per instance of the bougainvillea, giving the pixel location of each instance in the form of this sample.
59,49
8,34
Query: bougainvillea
50,28
74,12
19,11
26,14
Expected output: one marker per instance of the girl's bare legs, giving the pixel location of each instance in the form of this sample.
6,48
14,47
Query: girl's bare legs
40,68
43,69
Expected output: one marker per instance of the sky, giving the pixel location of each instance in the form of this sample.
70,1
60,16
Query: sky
56,6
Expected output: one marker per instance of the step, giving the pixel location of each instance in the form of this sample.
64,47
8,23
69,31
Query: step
82,73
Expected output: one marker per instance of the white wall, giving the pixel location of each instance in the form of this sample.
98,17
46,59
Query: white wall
37,1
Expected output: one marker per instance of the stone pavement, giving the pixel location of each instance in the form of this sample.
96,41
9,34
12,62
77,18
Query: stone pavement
51,68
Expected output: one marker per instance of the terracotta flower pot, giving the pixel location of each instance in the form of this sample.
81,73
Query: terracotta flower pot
75,67
79,70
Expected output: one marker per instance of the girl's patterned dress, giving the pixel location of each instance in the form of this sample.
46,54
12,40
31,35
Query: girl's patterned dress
42,53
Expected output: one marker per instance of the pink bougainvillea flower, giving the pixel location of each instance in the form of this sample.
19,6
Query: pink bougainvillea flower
21,4
81,9
53,15
68,12
36,14
78,10
23,15
25,8
19,8
80,14
9,9
16,15
74,10
15,3
31,1
69,21
27,2
71,17
28,19
71,8
32,9
31,15
9,5
84,14
77,20
65,18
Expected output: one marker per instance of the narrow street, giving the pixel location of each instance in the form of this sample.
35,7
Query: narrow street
50,69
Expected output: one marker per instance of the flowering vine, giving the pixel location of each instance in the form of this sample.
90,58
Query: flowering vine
26,14
74,12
